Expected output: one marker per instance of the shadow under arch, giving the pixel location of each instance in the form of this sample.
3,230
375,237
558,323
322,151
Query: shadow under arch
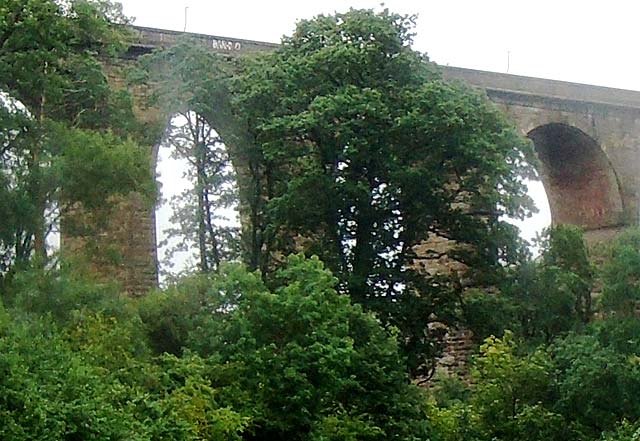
580,182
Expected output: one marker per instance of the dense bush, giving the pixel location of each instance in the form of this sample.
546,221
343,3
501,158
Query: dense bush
226,357
621,273
559,375
575,389
540,299
307,364
218,357
346,114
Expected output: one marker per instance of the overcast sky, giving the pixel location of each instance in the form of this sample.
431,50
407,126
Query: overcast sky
593,42
588,41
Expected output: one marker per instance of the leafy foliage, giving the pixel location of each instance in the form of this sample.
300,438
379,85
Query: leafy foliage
540,299
624,432
576,388
343,114
308,364
597,385
621,274
562,375
217,357
511,391
62,122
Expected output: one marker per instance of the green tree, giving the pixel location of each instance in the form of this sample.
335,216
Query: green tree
512,391
198,211
597,386
563,247
582,382
75,363
62,107
624,432
621,276
299,362
362,152
577,388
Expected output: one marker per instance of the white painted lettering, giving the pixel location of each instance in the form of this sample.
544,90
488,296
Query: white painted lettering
226,45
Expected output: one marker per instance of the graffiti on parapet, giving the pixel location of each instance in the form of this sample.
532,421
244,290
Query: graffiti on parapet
226,45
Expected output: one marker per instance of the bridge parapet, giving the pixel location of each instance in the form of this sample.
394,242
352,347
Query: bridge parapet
539,87
147,39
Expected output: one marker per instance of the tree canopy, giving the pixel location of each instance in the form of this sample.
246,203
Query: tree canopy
362,152
241,361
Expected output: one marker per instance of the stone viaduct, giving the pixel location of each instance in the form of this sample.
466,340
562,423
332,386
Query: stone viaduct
587,139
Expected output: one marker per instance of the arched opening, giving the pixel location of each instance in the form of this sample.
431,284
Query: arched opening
197,221
580,183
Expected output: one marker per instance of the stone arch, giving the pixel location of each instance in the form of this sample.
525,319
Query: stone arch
131,229
580,182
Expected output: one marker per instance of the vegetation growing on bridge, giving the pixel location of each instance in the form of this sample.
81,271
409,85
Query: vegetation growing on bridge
350,151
